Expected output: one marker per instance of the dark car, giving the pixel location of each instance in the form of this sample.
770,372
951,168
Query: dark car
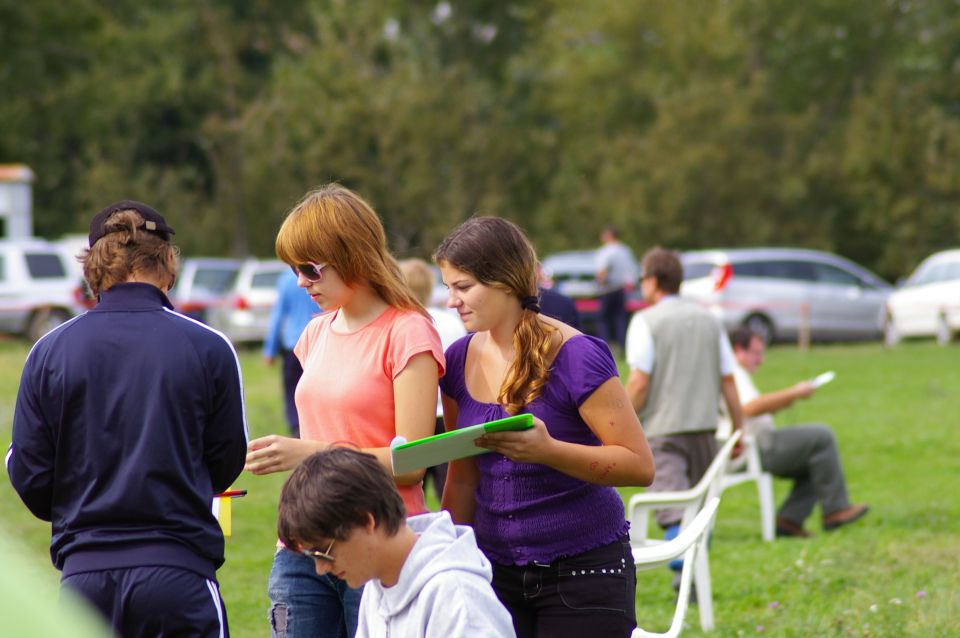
573,273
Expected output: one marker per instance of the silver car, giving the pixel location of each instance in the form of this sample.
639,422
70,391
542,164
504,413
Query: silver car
244,313
202,283
778,291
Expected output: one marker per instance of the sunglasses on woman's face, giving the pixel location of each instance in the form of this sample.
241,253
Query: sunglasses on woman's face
311,271
317,554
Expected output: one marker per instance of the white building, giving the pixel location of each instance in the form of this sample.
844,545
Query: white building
16,201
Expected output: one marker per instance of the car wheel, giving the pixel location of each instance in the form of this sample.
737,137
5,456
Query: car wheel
891,336
944,334
44,320
761,326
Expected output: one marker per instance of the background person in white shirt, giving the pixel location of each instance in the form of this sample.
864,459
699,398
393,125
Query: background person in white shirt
806,453
616,272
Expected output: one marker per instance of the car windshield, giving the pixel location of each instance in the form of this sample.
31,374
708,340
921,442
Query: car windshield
45,266
697,269
928,273
265,279
214,280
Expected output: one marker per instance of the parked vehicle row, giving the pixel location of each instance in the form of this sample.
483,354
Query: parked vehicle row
234,296
776,291
41,287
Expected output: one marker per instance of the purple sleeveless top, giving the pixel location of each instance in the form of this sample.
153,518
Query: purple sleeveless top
527,512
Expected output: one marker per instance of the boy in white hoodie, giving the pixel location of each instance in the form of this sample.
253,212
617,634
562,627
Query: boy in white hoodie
426,576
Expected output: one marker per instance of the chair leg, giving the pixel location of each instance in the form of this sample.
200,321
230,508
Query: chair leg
704,589
767,508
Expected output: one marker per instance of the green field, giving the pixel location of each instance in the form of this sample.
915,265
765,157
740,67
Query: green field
897,417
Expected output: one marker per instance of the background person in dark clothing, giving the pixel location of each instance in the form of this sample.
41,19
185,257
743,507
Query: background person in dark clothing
128,420
556,304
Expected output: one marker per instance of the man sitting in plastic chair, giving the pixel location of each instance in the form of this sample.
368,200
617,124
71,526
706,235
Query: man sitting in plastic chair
806,453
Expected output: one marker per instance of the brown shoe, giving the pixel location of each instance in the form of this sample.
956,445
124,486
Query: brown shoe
786,527
842,517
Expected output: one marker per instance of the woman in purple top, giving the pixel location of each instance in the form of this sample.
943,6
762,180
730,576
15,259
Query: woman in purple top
543,505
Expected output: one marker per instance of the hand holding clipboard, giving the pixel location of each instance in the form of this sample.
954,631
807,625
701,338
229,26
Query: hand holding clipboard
458,444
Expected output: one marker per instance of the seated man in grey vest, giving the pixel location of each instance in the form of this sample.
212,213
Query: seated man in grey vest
680,364
806,453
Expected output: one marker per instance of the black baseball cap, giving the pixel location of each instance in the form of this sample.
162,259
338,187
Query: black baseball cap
152,220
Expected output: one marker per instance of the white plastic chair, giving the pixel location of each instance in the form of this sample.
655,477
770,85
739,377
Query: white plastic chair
745,468
642,505
691,544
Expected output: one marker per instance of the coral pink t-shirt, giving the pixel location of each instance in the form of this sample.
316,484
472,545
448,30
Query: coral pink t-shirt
346,391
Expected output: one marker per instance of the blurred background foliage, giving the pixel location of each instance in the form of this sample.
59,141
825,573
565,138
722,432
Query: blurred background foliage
832,124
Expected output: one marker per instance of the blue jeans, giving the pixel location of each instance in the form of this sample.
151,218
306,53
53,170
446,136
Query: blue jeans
305,604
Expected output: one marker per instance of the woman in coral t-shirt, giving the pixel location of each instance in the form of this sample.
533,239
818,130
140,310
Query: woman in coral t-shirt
370,371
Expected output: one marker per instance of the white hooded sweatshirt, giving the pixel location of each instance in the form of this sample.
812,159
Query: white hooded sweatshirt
443,592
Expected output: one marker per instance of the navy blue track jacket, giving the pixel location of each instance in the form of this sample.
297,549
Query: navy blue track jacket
128,420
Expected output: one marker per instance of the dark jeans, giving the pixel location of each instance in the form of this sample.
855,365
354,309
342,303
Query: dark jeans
612,320
151,602
591,594
291,376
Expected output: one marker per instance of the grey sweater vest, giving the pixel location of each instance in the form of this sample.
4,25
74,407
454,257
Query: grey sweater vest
684,391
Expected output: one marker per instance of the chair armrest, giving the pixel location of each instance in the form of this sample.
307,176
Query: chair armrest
664,552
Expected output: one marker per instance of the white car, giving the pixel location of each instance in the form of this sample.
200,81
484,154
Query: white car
38,288
928,302
244,313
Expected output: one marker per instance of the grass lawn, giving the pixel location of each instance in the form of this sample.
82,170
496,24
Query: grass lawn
897,417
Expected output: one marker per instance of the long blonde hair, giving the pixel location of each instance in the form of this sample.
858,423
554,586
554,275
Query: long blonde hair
334,225
498,254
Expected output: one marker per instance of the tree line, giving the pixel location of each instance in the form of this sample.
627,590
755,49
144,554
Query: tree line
831,124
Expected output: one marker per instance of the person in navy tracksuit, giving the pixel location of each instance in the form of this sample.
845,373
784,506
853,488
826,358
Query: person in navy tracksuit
128,420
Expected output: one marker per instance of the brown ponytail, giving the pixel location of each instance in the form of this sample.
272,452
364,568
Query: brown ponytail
528,374
499,255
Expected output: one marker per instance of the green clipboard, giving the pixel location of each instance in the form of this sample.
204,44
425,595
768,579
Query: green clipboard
448,446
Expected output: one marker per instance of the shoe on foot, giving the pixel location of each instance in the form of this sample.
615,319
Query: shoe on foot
789,529
842,517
